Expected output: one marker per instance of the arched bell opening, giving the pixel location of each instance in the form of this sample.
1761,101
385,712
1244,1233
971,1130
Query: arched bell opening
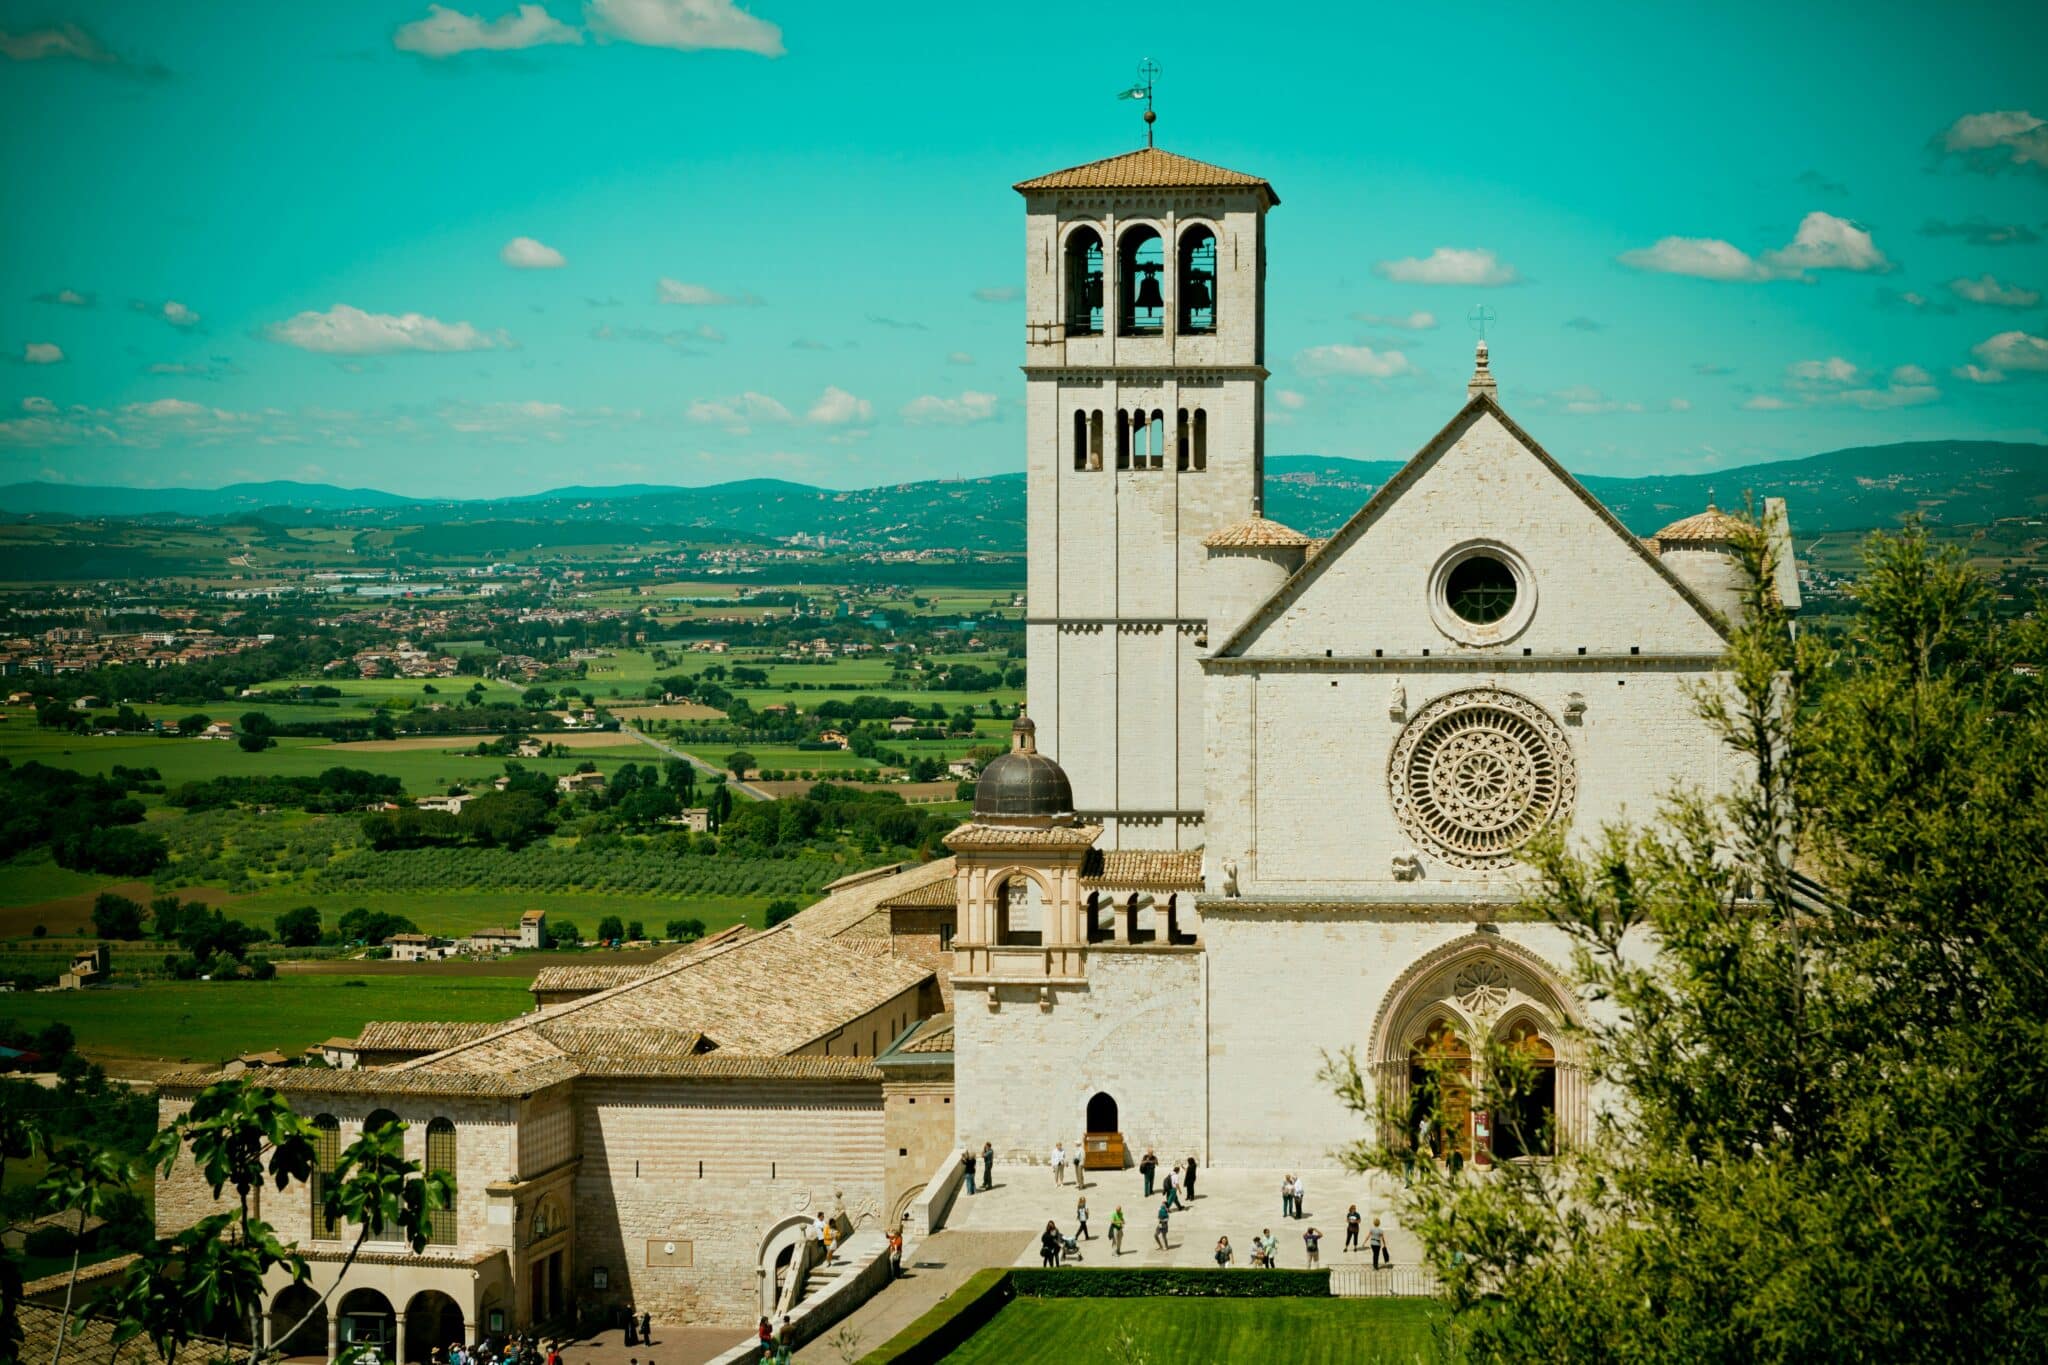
1021,913
1084,282
1141,292
1197,282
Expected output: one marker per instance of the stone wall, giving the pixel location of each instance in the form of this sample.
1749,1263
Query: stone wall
914,936
867,1035
917,1135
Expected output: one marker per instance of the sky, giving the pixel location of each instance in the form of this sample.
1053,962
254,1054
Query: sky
492,247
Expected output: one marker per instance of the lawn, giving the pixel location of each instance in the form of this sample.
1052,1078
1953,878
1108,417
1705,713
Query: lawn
32,879
206,1022
1079,1331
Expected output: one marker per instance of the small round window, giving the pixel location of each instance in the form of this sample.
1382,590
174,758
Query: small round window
1481,590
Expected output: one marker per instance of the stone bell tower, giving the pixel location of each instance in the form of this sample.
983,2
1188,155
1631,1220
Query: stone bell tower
1144,381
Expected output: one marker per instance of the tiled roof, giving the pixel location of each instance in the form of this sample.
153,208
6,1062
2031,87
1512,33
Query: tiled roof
398,1035
98,1270
393,1080
1256,533
717,1066
934,1035
1712,526
585,1041
839,912
1146,168
934,895
587,978
1172,869
90,1341
1024,836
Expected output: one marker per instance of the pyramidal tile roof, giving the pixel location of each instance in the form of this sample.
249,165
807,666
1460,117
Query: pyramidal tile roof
1710,526
1147,168
1256,533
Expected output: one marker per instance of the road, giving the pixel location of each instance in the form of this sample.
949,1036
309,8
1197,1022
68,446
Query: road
749,788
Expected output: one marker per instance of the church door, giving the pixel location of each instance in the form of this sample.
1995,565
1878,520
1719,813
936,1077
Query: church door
1440,1089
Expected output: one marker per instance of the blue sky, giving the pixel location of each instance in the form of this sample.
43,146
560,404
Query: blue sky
492,247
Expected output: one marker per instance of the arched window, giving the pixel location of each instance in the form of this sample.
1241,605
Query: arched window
326,1156
1123,439
1201,439
1180,442
1197,281
1020,913
441,1157
379,1118
1440,1090
1084,282
1140,295
1527,1123
1156,446
1095,439
1080,439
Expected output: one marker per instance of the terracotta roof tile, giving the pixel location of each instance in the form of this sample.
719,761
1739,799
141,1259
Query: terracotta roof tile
840,912
1146,168
1170,869
1024,836
584,1042
1257,533
935,895
389,1035
934,1035
718,1066
581,978
1712,526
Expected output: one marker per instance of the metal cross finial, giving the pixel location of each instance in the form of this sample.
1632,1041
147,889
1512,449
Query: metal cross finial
1479,318
1148,74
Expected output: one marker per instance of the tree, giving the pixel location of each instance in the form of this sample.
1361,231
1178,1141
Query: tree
299,927
116,917
506,819
193,724
251,742
739,762
89,1181
721,804
685,930
1827,1139
563,931
21,1137
778,911
610,929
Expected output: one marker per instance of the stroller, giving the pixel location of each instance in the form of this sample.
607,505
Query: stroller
1070,1249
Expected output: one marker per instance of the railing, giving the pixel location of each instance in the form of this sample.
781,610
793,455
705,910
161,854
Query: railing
1391,1282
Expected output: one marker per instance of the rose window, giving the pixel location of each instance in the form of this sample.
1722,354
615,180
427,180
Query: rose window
1478,774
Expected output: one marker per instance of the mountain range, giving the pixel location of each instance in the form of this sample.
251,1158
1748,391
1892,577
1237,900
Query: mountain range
1953,482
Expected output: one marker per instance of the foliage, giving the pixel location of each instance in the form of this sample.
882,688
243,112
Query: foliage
371,926
1832,1122
85,819
649,868
684,930
116,916
298,927
610,929
739,763
563,931
778,911
336,789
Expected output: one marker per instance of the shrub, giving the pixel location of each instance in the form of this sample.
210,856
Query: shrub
948,1323
778,911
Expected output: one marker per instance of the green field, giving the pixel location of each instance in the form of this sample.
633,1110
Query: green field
463,912
205,1022
1168,1330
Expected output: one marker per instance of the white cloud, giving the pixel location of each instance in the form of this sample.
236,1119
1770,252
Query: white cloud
343,330
740,413
1987,289
166,407
704,331
685,25
1360,361
446,32
1997,141
39,406
2012,351
1978,375
70,298
959,358
1679,405
697,295
1413,322
58,41
170,310
933,410
836,407
1007,293
1810,373
42,353
1450,265
1823,242
1586,400
1835,382
524,253
1765,402
1290,399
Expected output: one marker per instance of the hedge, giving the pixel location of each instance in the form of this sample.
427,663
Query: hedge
982,1295
1168,1283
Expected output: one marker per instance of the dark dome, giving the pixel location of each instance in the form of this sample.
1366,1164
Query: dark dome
1022,784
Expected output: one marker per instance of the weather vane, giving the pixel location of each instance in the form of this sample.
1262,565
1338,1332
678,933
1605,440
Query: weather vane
1148,72
1479,318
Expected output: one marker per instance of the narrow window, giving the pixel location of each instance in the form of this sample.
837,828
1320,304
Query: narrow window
380,1118
441,1157
1201,438
1095,439
1197,281
1180,443
326,1156
1157,445
1141,299
1123,439
1080,439
1084,282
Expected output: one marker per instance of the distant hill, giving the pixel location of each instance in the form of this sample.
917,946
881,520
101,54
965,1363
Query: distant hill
1957,482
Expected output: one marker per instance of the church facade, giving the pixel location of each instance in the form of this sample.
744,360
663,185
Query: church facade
1267,806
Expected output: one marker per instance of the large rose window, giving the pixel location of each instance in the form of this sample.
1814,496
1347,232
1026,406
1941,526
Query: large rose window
1479,773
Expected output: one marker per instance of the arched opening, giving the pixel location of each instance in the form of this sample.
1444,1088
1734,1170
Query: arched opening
1201,440
1102,1113
1144,918
1084,282
1095,439
779,1250
432,1319
1020,913
1197,281
1099,929
287,1310
379,1118
365,1318
326,1156
1123,439
441,1158
1526,1121
1080,439
1440,1089
1155,447
1140,271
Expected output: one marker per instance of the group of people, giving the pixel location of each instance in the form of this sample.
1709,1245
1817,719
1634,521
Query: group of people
1376,1238
1180,1181
1265,1252
776,1342
638,1329
518,1351
987,1163
1293,1195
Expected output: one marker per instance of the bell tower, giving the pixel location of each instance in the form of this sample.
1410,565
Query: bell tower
1144,367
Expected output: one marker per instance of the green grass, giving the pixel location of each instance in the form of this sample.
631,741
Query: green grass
463,912
205,1022
1082,1331
34,878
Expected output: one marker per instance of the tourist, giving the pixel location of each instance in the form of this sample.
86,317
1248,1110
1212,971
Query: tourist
1159,1233
1081,1233
988,1165
1222,1252
1272,1250
1148,1166
1189,1179
1258,1256
1059,1163
1351,1222
767,1336
1313,1240
646,1330
785,1340
1049,1245
1300,1195
1116,1229
895,1252
830,1237
1378,1241
1287,1195
1173,1188
1080,1170
967,1167
632,1329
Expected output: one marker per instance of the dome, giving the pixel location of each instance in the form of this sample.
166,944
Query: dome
1023,784
1257,533
1711,527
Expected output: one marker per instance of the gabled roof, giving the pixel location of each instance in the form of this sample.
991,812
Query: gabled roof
1389,492
388,1035
1147,168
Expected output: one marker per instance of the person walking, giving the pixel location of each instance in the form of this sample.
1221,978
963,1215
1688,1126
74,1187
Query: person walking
1313,1240
632,1327
1081,1233
1159,1233
896,1253
967,1166
1173,1188
1059,1163
1116,1230
830,1239
646,1329
1272,1250
1351,1222
1377,1239
1190,1179
1301,1196
1049,1246
767,1337
785,1340
988,1165
1287,1195
1148,1166
1222,1252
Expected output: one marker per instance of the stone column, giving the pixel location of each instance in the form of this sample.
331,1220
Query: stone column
333,1334
469,1337
1120,916
398,1338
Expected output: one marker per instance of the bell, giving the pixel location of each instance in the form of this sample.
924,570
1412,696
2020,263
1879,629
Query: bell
1199,299
1149,297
